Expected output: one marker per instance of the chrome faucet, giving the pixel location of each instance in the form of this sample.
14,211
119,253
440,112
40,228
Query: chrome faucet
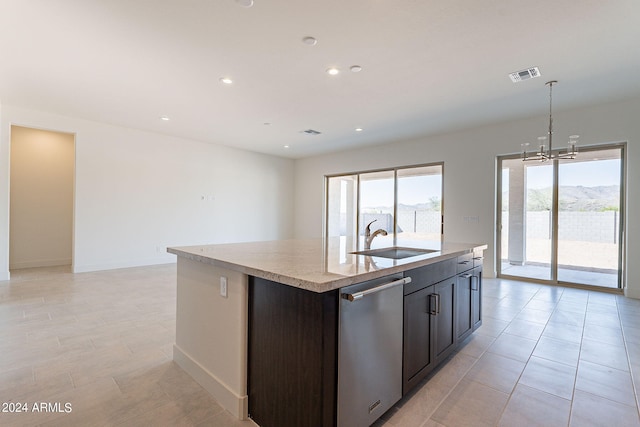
368,236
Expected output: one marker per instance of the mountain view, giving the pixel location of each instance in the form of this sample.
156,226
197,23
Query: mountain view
572,198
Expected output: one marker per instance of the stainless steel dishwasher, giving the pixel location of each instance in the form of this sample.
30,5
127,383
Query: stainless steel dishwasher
369,350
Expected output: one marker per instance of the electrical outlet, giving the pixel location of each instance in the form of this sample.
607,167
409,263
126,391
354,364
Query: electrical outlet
223,287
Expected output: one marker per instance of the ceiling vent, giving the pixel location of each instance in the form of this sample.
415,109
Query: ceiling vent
527,74
311,132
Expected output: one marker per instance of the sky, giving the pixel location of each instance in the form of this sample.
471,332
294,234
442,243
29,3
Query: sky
586,174
411,190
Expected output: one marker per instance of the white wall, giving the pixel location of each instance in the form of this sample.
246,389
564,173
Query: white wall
41,198
470,172
4,202
138,192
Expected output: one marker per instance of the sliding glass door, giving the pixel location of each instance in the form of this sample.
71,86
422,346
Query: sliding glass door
561,221
377,195
589,218
406,202
526,219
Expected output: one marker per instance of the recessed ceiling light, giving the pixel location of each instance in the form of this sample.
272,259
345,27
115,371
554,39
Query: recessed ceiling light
267,124
245,3
358,129
226,80
333,71
286,146
164,118
311,41
355,68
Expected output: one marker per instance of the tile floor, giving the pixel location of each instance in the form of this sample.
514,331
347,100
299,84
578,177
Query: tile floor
102,342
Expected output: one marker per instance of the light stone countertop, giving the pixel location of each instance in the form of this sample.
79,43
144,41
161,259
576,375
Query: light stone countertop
318,265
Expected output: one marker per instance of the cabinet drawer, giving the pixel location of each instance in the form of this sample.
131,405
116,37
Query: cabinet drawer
465,262
429,274
478,258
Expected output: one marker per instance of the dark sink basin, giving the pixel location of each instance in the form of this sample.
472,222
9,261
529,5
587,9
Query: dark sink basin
395,252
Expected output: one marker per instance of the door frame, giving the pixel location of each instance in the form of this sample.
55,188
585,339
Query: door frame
73,208
622,146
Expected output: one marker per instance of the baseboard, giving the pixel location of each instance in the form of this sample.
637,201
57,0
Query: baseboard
39,263
4,275
632,293
238,406
79,268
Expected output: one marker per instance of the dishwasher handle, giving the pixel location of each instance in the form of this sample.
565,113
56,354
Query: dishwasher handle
359,295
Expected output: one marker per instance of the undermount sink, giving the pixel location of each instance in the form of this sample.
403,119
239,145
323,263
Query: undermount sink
395,252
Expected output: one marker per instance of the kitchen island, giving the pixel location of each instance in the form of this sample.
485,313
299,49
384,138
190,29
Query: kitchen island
250,315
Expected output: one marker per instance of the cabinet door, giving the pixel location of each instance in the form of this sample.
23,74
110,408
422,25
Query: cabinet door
417,335
476,298
444,321
464,302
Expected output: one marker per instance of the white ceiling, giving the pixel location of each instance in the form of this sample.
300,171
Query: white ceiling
428,66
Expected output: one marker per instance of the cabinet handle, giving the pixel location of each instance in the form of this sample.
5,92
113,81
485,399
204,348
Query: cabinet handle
464,262
432,304
466,276
474,283
478,258
438,299
359,295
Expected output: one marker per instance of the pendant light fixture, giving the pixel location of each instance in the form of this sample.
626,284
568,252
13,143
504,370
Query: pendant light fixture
545,152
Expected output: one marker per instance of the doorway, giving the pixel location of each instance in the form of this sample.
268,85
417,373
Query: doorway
562,221
41,198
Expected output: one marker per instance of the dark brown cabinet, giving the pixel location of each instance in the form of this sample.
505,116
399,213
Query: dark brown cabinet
429,320
476,287
293,339
444,319
468,298
292,360
464,298
464,301
476,297
464,263
417,354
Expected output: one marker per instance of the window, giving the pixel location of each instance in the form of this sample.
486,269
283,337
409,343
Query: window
406,202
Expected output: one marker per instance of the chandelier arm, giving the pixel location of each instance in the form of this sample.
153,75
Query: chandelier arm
544,155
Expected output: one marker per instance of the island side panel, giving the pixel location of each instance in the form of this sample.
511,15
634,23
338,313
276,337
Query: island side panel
292,355
211,332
